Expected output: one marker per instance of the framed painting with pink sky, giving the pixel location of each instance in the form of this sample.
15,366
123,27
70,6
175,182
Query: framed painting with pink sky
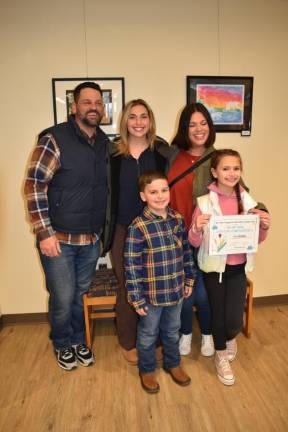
227,98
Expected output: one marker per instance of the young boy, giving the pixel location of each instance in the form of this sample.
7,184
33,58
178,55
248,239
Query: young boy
159,272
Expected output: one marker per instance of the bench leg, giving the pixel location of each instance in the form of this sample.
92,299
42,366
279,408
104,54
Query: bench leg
249,309
87,322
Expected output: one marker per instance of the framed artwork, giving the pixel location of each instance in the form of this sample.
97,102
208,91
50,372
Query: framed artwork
227,98
113,97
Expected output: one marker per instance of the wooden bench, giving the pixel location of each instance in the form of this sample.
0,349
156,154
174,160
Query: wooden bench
100,301
247,328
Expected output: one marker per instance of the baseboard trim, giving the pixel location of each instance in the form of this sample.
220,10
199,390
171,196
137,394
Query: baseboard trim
33,318
26,318
276,300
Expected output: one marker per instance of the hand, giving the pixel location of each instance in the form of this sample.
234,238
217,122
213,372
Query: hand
265,219
50,246
187,291
142,311
201,221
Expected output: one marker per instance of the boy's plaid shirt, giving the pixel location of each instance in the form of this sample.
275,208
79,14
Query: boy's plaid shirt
158,259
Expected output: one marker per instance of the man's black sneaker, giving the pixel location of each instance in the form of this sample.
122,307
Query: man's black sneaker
66,358
83,354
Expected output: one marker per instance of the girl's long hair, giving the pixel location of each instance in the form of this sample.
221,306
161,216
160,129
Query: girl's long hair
215,160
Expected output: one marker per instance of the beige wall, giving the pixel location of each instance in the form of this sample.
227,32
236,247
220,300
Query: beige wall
154,45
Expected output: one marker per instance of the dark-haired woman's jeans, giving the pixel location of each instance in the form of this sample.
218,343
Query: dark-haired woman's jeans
199,299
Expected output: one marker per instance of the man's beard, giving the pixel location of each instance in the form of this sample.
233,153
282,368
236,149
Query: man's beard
91,123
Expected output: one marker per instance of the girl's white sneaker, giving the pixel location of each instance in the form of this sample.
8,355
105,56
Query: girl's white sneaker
207,345
185,344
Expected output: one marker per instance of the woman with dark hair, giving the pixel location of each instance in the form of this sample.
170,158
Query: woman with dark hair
194,142
136,151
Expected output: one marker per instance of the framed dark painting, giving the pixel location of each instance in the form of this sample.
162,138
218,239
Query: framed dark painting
113,97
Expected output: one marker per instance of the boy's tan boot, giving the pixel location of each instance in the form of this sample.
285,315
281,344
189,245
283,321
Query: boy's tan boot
179,376
149,382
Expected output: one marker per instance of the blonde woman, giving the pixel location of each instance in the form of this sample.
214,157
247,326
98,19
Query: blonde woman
136,151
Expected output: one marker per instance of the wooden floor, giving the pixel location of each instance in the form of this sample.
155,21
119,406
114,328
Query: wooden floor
36,395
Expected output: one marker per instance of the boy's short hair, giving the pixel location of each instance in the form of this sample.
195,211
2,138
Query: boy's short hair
148,178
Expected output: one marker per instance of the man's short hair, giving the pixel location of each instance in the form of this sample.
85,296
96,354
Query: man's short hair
148,178
86,84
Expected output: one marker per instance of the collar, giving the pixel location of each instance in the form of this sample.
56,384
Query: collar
80,132
143,154
214,188
148,214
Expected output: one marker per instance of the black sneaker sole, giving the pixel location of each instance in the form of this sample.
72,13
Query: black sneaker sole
66,367
82,363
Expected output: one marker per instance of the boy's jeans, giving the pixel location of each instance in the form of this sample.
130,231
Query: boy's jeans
163,321
68,277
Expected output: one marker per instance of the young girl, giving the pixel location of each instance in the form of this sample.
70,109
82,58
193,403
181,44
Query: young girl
224,276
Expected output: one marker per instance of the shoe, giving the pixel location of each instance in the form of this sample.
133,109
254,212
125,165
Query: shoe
185,344
223,368
66,358
149,382
159,354
130,356
83,354
231,346
207,345
179,376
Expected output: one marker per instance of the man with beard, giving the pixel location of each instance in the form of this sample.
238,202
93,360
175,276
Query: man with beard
68,199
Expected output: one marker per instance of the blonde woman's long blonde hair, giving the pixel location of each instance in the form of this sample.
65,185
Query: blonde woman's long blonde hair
122,142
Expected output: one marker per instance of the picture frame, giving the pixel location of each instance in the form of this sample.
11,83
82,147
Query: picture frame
227,98
113,96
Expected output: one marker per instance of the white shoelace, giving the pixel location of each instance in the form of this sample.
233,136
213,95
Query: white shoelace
224,366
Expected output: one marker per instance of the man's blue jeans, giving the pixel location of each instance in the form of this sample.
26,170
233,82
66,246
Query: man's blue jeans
163,321
199,298
68,277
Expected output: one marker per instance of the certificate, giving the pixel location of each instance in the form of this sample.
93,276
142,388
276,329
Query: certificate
233,234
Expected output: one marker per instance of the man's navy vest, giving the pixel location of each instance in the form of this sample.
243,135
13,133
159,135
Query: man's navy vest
77,194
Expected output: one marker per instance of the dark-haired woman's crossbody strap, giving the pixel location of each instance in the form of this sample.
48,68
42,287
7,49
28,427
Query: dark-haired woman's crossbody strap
190,169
